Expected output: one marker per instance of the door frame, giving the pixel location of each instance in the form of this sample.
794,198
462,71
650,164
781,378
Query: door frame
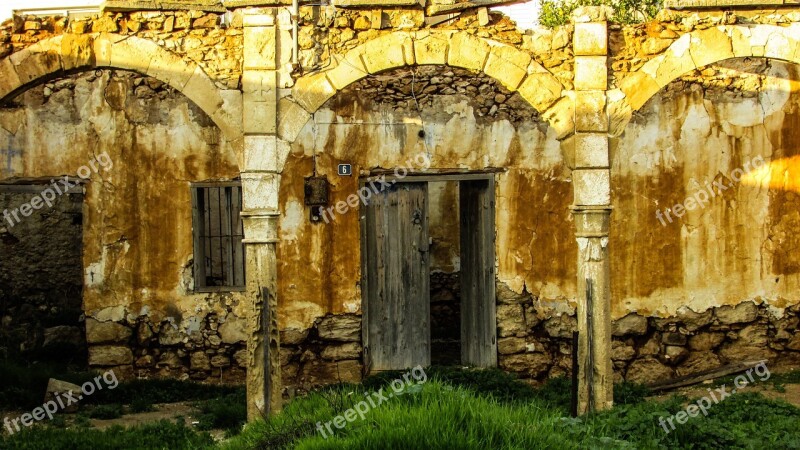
390,176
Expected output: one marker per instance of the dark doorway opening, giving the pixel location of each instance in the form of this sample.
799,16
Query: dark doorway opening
41,272
428,277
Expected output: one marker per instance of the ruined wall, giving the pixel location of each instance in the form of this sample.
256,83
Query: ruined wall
468,122
41,281
197,36
142,315
736,248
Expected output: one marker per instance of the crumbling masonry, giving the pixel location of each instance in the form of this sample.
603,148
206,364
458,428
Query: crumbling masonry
569,124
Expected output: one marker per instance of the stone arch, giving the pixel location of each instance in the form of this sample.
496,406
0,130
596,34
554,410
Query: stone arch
698,49
68,53
514,69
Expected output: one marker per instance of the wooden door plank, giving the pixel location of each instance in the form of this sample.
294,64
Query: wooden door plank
478,309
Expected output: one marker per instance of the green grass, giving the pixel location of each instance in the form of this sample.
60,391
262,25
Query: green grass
162,435
463,409
453,414
227,413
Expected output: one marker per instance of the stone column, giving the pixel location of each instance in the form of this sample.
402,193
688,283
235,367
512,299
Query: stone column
592,208
264,154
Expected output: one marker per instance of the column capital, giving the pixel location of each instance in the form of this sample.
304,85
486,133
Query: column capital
592,221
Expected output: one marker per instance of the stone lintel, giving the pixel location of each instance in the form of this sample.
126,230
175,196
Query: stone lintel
712,4
144,5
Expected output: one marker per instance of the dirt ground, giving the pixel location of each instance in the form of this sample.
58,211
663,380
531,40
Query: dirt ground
768,388
163,411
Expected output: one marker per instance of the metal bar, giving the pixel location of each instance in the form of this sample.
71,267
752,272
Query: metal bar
573,407
590,344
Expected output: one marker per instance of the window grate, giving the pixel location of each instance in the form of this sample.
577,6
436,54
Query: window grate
219,262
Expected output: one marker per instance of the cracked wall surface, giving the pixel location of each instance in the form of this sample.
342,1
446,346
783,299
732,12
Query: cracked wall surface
142,314
688,96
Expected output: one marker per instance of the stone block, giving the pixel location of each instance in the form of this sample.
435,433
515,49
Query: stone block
431,48
260,191
592,187
648,371
259,117
134,54
291,119
710,46
64,390
699,362
561,326
591,150
33,63
632,324
531,365
294,336
510,320
313,91
783,44
388,51
742,313
203,92
349,70
106,332
561,116
349,350
638,87
507,65
260,228
340,328
511,345
103,48
199,361
260,48
229,116
107,355
590,39
171,69
540,88
264,153
77,51
622,352
233,330
9,81
468,51
590,112
591,73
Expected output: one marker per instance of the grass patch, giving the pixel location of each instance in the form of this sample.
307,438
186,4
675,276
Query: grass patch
459,413
162,435
106,412
227,413
24,385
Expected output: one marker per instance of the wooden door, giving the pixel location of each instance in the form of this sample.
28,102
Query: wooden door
395,277
478,304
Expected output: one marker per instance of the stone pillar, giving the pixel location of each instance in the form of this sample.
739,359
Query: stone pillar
592,208
264,154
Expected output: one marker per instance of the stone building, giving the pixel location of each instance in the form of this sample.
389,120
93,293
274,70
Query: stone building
207,159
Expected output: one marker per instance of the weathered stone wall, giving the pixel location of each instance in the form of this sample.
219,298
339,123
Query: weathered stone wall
41,280
328,33
194,35
143,317
319,264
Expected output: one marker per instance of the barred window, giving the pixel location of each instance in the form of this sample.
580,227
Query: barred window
219,261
